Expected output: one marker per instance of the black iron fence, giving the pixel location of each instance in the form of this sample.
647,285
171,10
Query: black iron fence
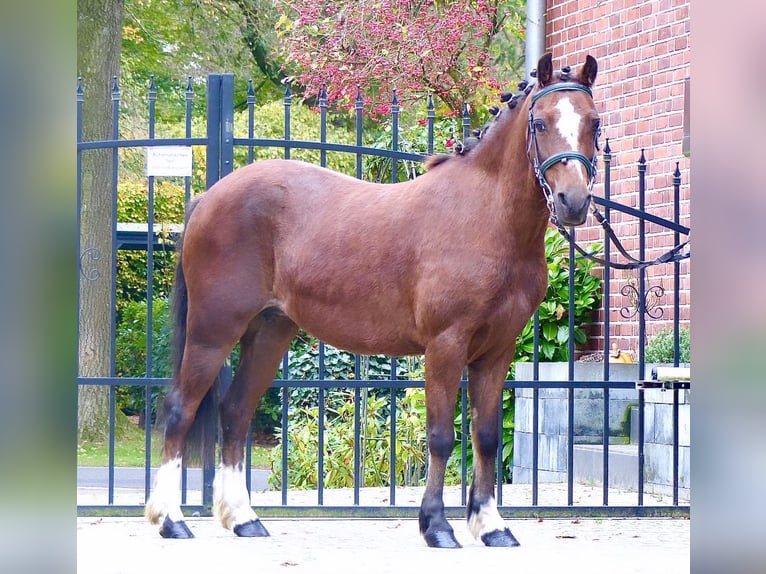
399,377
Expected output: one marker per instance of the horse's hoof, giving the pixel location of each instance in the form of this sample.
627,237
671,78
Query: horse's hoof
172,529
251,529
499,538
441,539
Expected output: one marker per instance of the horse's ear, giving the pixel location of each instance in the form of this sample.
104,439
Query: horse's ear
545,69
588,71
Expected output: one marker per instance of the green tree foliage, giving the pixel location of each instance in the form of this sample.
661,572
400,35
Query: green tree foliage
173,39
507,45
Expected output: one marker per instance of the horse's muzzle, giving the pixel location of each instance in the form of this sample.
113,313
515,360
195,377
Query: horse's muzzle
571,207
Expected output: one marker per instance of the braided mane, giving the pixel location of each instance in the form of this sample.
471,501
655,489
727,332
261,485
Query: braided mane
511,100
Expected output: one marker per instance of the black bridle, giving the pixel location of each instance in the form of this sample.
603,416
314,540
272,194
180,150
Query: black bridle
533,149
678,252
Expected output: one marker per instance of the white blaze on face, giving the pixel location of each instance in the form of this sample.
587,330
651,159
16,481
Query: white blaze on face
166,494
231,502
568,126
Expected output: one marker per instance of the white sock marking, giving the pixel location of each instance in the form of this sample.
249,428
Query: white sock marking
488,519
231,502
165,499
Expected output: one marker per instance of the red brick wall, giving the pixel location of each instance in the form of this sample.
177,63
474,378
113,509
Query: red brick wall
643,54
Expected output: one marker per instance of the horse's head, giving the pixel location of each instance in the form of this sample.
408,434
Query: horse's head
563,138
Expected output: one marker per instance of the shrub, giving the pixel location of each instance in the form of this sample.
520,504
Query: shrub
132,207
339,441
554,311
130,353
660,347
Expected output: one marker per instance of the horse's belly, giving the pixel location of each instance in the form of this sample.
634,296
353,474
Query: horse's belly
364,328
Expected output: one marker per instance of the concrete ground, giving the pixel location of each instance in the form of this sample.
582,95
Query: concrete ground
387,546
592,546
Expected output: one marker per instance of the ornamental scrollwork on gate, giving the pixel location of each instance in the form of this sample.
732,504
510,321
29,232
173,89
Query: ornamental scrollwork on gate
91,257
651,299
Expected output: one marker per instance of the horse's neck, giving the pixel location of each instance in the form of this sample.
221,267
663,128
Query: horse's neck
516,193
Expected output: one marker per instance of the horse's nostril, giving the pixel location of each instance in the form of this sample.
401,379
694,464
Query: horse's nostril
572,202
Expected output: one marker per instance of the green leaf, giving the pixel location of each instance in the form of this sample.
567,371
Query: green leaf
549,331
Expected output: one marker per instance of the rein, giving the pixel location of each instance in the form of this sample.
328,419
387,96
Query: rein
677,253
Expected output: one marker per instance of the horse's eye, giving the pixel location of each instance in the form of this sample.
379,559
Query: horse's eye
597,126
539,125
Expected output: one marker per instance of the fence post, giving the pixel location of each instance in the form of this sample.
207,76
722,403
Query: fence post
220,162
220,126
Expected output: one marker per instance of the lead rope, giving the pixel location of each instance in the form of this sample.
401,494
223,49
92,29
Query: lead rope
673,255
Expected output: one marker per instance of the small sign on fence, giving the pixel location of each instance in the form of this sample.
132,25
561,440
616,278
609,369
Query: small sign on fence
169,161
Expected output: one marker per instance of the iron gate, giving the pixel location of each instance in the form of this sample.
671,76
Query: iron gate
220,143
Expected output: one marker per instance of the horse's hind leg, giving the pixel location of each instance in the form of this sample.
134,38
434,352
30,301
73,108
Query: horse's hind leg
485,385
262,347
197,374
444,362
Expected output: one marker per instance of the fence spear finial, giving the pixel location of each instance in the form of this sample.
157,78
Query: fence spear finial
115,88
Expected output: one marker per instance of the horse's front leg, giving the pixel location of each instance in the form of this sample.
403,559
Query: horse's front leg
485,386
444,366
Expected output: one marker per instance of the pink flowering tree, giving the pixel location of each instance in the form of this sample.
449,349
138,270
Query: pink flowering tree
417,47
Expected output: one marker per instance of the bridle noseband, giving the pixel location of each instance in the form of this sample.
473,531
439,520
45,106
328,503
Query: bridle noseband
533,150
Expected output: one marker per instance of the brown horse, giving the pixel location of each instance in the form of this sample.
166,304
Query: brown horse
450,265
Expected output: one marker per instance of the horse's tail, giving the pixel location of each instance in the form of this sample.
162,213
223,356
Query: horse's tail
205,426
